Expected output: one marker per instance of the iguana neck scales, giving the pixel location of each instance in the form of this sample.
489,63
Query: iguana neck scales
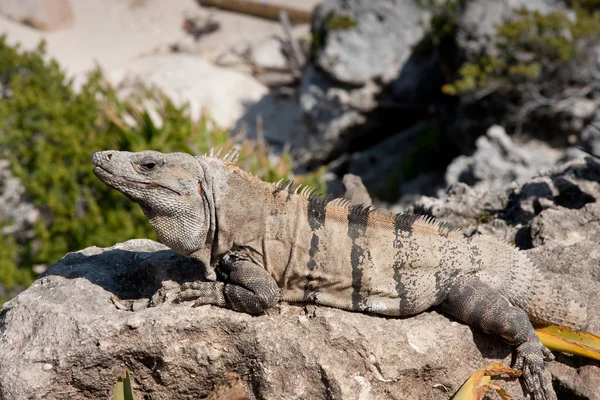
272,241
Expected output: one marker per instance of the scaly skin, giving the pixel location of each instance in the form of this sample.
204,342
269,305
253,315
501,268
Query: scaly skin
269,242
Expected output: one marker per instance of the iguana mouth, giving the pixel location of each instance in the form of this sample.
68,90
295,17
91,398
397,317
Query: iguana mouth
99,170
103,171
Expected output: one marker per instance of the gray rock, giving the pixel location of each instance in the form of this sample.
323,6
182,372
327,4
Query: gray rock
571,185
41,14
557,215
590,135
277,117
66,321
340,93
462,206
333,115
349,30
356,192
269,54
498,161
16,214
507,211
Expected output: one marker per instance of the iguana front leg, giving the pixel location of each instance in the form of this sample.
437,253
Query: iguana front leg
248,287
481,306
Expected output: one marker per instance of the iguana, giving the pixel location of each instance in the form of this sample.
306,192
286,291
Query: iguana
268,242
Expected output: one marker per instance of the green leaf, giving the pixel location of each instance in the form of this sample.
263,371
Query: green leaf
123,388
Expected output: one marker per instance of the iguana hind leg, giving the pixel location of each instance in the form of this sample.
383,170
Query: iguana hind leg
249,288
478,305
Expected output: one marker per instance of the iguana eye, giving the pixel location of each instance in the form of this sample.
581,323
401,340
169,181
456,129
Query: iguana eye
148,165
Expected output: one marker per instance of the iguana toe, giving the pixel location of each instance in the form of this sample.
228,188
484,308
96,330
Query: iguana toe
530,360
202,293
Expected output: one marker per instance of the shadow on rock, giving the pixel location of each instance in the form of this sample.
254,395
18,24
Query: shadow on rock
128,274
570,186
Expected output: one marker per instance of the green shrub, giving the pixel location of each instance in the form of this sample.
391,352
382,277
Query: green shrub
530,47
335,21
49,131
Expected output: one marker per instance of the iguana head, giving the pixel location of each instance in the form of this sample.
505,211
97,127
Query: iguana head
172,191
162,182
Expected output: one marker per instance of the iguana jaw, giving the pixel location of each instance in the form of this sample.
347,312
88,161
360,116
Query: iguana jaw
118,182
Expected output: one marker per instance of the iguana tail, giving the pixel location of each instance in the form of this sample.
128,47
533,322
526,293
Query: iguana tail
548,302
551,304
515,275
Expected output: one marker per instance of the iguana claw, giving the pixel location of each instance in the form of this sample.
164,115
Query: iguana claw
530,360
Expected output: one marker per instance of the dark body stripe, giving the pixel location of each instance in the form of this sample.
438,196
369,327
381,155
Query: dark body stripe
316,212
358,218
403,227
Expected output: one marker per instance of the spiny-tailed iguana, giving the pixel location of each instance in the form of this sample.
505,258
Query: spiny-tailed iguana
272,242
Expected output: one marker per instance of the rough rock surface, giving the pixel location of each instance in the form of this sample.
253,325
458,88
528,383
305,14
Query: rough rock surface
340,92
47,15
351,27
334,115
356,192
566,245
17,216
505,211
224,94
462,204
590,136
498,161
64,336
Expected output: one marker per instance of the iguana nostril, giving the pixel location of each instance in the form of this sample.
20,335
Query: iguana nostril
109,156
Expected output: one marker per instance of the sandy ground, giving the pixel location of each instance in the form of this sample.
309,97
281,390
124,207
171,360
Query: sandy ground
111,32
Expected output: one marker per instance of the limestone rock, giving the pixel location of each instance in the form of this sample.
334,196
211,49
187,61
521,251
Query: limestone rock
224,94
17,215
349,30
356,192
498,161
46,15
505,211
590,135
340,93
334,115
566,245
269,54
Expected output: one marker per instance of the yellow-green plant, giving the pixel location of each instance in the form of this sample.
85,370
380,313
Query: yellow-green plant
123,388
530,47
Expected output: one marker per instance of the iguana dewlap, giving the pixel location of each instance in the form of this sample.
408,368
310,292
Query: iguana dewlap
271,242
